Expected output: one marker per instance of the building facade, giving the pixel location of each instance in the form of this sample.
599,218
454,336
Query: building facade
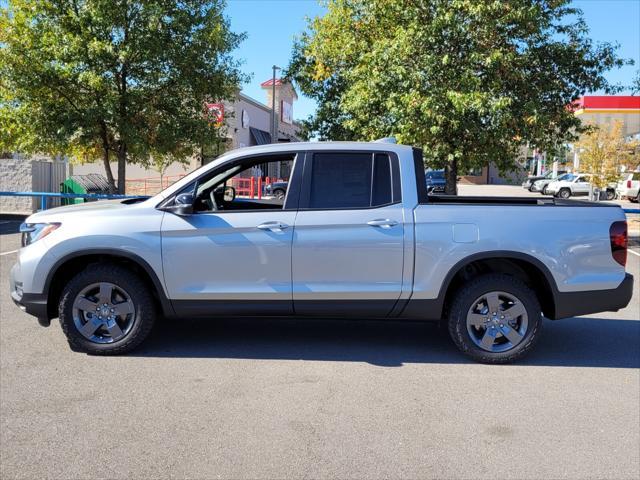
244,122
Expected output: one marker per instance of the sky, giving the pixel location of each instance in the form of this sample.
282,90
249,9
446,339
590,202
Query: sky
271,26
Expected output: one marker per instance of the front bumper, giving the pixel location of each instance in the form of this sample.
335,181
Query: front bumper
32,303
573,304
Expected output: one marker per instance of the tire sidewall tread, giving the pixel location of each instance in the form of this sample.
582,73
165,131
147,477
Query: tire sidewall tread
457,318
128,281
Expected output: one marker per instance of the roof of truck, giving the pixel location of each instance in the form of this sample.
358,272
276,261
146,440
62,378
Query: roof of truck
297,146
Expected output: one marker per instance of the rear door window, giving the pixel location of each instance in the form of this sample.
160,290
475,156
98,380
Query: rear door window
352,180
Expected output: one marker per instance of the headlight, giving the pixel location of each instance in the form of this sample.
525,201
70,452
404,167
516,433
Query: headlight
32,232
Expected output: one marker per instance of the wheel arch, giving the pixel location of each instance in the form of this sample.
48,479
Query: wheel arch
73,263
526,267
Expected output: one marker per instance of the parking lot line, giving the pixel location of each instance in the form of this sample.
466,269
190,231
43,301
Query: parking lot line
8,253
634,252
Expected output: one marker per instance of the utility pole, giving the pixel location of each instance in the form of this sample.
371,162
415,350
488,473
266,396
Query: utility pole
274,125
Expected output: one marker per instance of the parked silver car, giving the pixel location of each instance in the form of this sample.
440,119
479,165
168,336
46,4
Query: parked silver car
356,236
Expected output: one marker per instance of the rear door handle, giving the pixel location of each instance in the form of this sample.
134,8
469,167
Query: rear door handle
273,226
382,223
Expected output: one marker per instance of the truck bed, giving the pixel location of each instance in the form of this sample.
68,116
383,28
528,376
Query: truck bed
520,201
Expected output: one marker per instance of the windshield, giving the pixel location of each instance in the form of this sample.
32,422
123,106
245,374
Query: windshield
566,177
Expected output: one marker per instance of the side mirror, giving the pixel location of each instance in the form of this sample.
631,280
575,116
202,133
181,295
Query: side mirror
229,194
184,199
182,210
182,205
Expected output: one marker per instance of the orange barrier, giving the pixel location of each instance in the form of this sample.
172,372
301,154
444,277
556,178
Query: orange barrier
251,187
150,185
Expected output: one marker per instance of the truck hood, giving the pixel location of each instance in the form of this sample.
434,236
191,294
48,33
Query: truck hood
82,208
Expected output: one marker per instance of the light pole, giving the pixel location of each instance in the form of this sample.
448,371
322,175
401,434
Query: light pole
274,127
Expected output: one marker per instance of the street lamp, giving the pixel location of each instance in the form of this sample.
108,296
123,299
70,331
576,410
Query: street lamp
274,127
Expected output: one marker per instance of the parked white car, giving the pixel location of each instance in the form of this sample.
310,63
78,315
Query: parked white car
571,184
629,186
542,184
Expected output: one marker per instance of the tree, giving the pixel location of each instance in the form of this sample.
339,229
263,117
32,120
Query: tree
104,78
604,153
635,84
468,80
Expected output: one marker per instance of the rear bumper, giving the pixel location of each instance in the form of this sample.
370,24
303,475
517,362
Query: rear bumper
572,304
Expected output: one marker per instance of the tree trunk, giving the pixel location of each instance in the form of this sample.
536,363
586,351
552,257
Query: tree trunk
106,160
107,169
451,177
122,166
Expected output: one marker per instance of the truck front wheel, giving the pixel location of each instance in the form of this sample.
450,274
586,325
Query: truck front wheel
495,318
106,310
564,193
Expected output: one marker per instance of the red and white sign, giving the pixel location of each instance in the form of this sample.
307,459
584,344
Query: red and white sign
286,112
215,112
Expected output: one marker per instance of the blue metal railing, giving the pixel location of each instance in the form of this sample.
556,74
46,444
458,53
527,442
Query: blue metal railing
95,196
44,196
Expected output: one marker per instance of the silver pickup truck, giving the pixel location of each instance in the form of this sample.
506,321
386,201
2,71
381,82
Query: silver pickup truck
356,236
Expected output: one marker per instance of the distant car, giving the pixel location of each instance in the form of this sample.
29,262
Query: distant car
542,184
277,189
629,187
435,181
532,179
572,184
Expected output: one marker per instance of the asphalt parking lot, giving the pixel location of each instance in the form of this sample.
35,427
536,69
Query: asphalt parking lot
318,399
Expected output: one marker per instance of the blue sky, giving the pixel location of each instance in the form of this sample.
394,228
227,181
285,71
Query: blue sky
271,26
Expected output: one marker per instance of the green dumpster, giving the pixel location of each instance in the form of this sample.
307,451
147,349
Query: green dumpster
92,183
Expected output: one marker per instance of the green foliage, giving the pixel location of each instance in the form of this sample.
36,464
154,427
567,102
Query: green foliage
605,153
95,78
468,80
635,84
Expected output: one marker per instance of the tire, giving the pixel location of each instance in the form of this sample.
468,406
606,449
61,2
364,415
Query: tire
526,326
544,190
279,193
131,305
611,195
564,193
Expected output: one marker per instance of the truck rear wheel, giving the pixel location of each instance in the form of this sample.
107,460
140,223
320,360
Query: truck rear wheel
495,318
106,310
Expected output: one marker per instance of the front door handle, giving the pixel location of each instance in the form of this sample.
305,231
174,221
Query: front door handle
382,223
273,226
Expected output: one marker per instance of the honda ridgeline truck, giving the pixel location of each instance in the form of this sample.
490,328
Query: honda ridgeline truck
356,236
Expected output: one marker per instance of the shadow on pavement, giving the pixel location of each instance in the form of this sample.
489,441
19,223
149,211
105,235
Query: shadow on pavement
576,342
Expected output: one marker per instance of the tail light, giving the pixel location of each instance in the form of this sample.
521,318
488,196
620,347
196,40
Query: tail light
619,241
628,183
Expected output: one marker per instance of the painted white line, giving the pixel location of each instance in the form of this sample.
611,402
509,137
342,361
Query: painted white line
634,252
8,253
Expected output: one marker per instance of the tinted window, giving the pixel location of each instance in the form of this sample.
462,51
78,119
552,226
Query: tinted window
351,180
636,176
381,192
